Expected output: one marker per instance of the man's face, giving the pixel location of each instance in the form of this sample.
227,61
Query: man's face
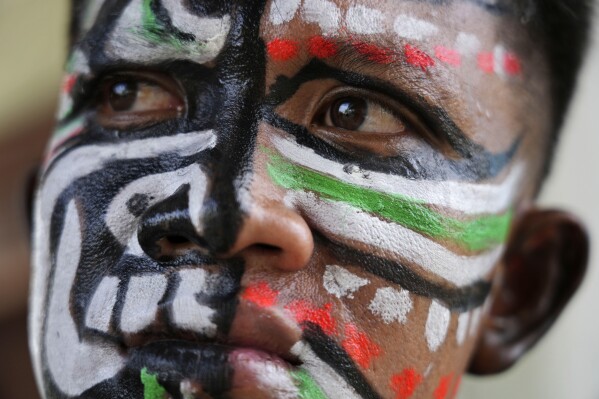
286,199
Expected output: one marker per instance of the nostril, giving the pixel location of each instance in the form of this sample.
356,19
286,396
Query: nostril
176,239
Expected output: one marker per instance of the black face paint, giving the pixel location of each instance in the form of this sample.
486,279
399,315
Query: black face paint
476,163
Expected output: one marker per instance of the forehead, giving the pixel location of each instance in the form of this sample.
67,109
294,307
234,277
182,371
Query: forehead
473,58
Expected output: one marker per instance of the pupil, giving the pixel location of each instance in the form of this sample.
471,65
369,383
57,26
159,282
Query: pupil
123,95
349,113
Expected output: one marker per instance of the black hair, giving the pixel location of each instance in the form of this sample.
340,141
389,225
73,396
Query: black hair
564,27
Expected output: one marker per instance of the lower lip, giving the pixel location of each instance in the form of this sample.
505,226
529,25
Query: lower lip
193,370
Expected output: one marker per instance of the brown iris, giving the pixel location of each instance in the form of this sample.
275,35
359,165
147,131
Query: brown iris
138,99
122,95
349,113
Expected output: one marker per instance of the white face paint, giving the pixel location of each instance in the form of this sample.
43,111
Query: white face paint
324,13
133,37
408,27
437,325
391,305
282,11
341,283
365,21
99,313
84,364
187,312
141,302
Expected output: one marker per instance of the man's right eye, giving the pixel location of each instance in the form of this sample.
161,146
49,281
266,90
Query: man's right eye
137,100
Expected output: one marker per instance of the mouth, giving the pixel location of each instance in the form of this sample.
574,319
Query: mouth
183,369
252,360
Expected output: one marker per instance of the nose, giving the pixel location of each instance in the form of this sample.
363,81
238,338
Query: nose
269,234
275,236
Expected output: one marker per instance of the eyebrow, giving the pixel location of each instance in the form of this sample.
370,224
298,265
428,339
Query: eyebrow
476,163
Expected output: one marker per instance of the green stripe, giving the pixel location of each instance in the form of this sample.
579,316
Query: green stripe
152,388
152,30
475,235
308,389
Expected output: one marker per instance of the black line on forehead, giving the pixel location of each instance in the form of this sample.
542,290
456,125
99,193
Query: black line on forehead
329,351
476,162
455,299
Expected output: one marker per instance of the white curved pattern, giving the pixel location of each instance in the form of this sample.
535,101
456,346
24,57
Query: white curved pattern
470,198
350,223
364,20
129,41
324,13
83,365
122,223
392,305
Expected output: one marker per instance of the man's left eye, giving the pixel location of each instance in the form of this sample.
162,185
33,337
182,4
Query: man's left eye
132,101
357,114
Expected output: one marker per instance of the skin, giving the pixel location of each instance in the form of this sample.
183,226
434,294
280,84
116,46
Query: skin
209,225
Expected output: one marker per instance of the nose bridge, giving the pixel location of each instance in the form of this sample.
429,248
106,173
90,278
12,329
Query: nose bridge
241,75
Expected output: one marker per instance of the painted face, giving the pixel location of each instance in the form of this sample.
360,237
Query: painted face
286,199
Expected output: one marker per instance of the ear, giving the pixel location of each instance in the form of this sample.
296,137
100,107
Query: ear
543,266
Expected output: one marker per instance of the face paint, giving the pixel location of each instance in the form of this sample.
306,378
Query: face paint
146,284
155,30
342,283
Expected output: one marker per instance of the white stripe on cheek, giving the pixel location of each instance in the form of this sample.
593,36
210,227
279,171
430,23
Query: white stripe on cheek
437,324
74,365
341,283
391,305
187,313
100,309
470,198
324,13
141,302
282,11
364,20
462,327
350,223
413,28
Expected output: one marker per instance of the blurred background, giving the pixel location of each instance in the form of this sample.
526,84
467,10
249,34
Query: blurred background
32,49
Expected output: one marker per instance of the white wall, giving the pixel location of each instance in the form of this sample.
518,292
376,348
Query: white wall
565,365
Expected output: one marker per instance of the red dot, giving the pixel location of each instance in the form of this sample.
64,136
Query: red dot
68,83
405,383
320,47
456,387
443,387
512,65
374,53
418,58
448,56
486,62
282,49
261,294
357,344
305,312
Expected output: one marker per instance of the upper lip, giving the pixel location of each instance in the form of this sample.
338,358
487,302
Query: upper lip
270,330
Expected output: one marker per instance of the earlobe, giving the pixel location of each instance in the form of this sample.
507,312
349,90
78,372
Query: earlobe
544,263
